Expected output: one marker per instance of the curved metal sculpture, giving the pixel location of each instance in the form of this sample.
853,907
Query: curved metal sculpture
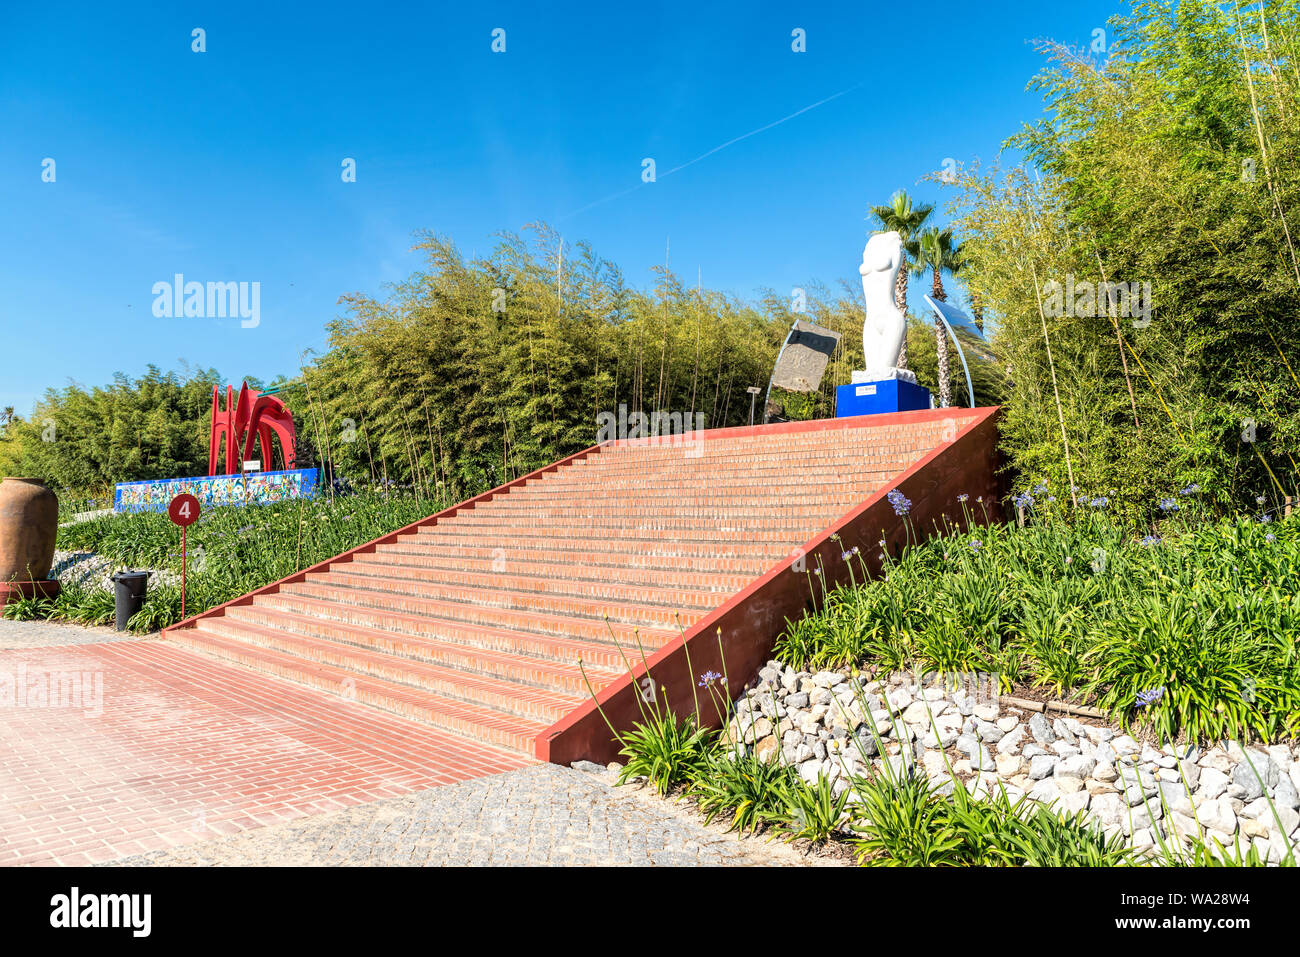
255,415
951,316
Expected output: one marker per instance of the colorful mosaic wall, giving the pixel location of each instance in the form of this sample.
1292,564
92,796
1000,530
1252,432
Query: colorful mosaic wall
252,488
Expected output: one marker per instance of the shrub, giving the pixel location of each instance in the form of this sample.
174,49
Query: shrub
752,791
664,749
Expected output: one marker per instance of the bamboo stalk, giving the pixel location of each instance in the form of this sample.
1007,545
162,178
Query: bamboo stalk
1060,414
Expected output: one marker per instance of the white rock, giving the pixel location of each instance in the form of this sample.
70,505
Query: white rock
1285,795
1009,765
827,679
1213,783
1142,817
898,699
1143,838
1041,730
1072,804
1008,724
810,770
934,763
1045,791
1109,810
1062,731
1178,825
1217,759
1217,815
1078,766
986,712
1011,741
1269,817
1174,797
1105,773
1068,784
1041,767
943,740
1125,747
918,713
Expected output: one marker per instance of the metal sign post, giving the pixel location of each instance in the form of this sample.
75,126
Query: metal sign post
184,511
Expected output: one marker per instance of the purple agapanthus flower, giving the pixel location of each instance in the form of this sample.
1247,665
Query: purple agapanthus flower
1190,490
1168,505
1100,502
1024,500
1151,540
1149,697
900,502
976,544
708,678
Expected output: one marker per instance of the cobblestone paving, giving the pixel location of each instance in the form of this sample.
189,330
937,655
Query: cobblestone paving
541,815
45,634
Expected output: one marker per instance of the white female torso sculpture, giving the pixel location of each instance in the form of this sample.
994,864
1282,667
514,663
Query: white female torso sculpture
883,332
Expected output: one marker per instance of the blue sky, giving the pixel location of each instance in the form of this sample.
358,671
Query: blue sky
225,165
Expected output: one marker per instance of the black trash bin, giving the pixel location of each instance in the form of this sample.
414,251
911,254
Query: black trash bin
129,589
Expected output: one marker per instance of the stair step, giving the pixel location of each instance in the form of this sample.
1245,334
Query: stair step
487,607
448,542
469,587
530,691
433,634
545,572
713,559
374,616
476,722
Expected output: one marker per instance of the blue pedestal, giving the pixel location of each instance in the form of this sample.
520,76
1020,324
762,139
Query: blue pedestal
873,398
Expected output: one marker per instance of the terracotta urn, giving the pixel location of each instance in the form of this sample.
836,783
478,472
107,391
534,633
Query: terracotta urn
29,521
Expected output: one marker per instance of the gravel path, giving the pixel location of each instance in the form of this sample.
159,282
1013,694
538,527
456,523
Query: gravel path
540,815
43,634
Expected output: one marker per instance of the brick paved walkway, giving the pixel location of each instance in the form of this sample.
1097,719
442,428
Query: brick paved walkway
540,815
180,748
182,760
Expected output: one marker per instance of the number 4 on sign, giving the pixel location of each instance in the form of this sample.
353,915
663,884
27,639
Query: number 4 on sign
184,511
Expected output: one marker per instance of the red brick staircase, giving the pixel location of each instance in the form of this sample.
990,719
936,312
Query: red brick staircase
475,619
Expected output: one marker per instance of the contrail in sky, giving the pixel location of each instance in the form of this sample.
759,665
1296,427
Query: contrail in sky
723,146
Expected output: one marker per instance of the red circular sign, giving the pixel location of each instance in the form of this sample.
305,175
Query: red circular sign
184,509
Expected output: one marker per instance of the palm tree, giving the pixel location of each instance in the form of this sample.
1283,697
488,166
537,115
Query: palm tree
904,217
937,253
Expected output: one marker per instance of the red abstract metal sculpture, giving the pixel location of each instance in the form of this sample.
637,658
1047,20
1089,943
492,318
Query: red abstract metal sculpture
254,416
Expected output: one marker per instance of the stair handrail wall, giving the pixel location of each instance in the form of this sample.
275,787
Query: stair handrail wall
750,621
